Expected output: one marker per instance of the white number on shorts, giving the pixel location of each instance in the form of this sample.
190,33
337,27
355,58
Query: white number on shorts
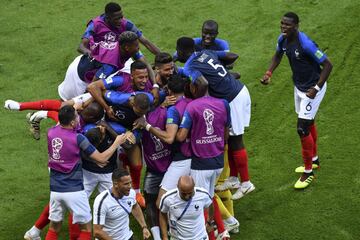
221,73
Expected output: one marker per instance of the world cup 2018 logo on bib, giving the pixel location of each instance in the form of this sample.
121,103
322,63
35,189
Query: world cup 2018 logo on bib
110,41
209,118
56,144
158,144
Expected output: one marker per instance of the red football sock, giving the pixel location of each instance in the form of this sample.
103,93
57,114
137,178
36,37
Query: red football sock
54,115
74,229
43,219
135,173
241,163
51,235
210,234
232,166
314,135
41,105
84,235
217,217
307,144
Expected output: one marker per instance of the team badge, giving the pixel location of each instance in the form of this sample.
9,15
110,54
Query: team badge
57,145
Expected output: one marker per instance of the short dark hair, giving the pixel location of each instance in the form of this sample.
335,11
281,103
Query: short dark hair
111,8
211,24
127,37
94,136
66,115
118,173
293,16
137,65
93,112
177,83
162,58
185,43
142,101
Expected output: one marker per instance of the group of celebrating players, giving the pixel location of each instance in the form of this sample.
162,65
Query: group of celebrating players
186,124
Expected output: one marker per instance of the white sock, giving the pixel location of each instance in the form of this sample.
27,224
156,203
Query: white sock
39,115
315,158
34,231
307,171
12,105
155,233
230,220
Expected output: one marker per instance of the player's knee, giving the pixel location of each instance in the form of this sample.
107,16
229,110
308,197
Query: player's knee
303,127
236,143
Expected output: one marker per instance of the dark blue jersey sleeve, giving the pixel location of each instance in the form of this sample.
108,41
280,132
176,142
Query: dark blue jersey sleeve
113,82
186,121
173,116
222,44
89,31
311,48
130,26
105,71
85,145
116,98
279,43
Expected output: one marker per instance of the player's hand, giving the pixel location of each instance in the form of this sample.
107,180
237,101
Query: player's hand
120,139
169,101
130,137
146,233
311,93
266,78
139,123
79,106
110,113
102,164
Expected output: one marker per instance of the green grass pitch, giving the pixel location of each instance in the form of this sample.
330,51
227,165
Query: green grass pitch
38,40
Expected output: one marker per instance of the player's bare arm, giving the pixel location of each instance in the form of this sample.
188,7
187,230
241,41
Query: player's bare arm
149,45
182,134
324,75
229,58
104,156
138,215
275,61
84,47
97,89
100,234
163,225
167,136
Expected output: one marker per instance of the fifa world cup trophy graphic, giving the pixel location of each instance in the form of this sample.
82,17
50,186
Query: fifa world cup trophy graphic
209,118
56,144
158,144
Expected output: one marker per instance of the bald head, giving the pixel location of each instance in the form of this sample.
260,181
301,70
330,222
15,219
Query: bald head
186,186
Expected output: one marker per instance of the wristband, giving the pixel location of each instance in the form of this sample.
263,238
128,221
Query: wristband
317,88
156,85
148,126
268,73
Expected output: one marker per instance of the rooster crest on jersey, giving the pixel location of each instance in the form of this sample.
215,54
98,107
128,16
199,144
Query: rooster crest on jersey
209,118
56,144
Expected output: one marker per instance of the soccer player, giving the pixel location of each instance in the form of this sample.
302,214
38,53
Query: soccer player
138,80
84,69
106,28
164,68
206,67
113,207
127,108
311,68
182,211
207,120
66,184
